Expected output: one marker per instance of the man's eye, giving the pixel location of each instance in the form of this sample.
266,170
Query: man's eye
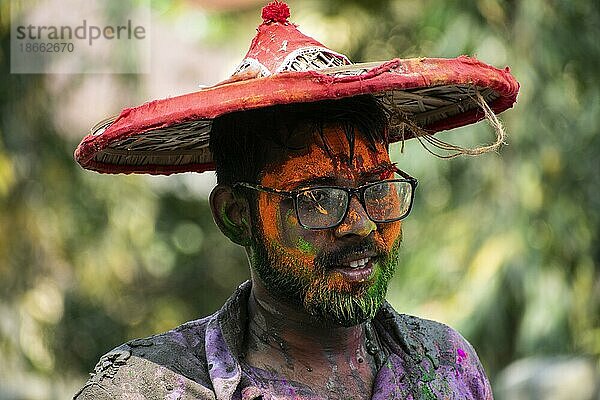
319,199
287,202
317,195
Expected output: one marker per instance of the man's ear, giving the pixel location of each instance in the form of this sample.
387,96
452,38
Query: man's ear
231,214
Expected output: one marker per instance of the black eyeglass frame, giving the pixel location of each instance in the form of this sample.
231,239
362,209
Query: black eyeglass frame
358,191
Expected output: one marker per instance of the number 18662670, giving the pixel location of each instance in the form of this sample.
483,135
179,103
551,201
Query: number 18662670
47,47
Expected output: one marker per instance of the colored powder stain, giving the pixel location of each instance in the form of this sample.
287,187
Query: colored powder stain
230,223
427,376
290,217
433,360
301,265
387,171
304,246
375,290
296,169
427,393
360,164
225,217
461,355
269,215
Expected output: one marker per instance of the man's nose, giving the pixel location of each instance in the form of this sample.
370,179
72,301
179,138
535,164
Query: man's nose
356,222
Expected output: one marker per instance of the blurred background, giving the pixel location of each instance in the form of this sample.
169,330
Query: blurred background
504,247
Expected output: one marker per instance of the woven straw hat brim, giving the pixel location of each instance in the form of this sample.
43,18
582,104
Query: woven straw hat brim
172,135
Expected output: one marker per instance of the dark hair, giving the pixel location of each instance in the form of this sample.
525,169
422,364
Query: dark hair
242,143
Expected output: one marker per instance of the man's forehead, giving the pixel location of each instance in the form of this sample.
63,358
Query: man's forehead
332,153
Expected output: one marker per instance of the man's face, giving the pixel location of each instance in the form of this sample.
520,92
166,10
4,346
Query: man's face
316,269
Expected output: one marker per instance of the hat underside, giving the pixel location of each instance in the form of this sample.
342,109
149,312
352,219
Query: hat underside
187,143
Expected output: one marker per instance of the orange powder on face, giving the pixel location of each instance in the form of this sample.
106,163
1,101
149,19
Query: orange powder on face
276,227
298,168
388,234
284,176
283,230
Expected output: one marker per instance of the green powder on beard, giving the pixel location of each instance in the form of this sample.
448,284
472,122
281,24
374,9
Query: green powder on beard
387,269
304,246
288,277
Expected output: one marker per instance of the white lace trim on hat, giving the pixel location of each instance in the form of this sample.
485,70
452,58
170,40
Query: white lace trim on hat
312,58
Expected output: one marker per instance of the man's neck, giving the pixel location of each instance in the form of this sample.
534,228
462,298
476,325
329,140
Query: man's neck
300,330
284,338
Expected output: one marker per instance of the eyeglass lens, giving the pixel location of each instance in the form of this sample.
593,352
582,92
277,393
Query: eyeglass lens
325,207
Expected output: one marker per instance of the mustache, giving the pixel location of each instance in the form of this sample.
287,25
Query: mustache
334,257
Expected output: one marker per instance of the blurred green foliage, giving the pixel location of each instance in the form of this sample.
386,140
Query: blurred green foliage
504,247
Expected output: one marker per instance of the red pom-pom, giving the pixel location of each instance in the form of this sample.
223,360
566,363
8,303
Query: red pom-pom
276,11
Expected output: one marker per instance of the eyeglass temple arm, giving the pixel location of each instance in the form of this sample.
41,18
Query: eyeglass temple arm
262,188
405,175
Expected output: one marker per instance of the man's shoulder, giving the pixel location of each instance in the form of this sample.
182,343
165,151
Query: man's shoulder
443,336
433,356
171,364
154,367
415,334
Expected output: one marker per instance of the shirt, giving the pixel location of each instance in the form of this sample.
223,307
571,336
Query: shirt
201,359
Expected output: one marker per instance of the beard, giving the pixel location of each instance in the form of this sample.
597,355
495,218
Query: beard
323,293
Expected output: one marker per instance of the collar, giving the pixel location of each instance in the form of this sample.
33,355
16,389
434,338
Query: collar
225,336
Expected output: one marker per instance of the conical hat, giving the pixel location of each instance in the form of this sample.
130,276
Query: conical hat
285,66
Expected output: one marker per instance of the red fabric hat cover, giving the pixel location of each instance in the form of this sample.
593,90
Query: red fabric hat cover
285,66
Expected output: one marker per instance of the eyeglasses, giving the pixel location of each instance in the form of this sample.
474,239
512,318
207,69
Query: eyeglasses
324,207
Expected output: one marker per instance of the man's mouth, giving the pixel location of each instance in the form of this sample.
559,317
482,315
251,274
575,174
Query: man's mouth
356,270
358,263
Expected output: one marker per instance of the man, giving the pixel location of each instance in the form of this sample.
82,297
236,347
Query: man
306,185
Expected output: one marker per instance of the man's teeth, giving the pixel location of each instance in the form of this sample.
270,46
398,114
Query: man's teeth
359,263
